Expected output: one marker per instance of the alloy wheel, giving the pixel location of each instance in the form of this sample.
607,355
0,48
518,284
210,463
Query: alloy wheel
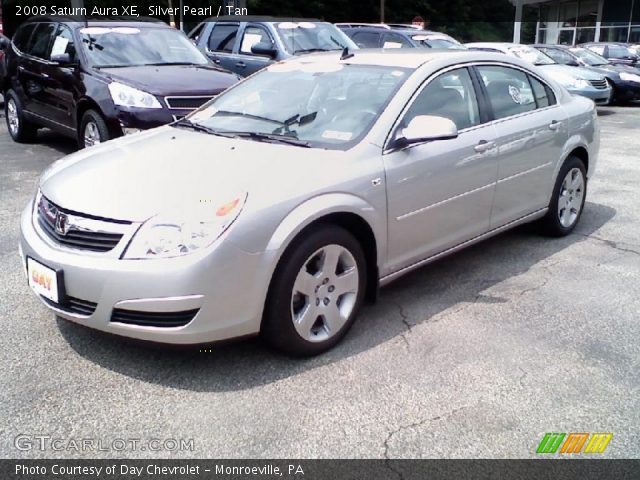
13,120
91,134
571,196
324,293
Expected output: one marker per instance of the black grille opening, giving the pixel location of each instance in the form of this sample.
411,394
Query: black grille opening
80,239
187,103
153,319
73,305
601,84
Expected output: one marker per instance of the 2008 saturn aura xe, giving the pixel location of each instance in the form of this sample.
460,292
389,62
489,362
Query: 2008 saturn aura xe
283,204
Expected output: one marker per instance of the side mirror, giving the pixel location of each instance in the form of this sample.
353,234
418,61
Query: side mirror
62,59
426,128
264,49
4,42
573,63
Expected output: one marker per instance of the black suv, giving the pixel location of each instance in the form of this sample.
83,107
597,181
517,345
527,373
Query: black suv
387,36
98,80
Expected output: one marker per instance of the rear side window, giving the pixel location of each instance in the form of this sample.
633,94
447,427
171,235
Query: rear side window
393,40
196,32
367,39
41,40
509,90
21,38
223,37
543,94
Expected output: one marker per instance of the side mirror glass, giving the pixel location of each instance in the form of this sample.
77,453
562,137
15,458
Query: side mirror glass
63,59
426,128
263,48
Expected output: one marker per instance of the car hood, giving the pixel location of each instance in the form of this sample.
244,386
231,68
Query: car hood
136,177
573,72
173,79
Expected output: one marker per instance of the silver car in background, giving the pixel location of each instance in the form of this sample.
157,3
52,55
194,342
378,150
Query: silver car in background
578,80
284,203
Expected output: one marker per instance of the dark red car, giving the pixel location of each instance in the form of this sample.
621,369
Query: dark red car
94,81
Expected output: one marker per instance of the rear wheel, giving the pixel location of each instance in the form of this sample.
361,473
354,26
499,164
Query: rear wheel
93,129
20,129
316,292
568,199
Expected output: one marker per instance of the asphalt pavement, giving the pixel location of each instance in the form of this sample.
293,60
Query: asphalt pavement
478,355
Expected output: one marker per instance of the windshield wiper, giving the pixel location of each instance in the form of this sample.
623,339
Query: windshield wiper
183,122
271,137
229,113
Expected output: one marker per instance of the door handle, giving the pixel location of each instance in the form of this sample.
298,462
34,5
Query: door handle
216,60
484,146
44,75
20,68
555,125
241,64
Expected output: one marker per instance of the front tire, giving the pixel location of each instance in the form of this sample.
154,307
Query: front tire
316,292
93,129
20,129
567,201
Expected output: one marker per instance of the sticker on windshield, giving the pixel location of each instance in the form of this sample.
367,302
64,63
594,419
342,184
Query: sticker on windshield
336,135
307,25
105,30
392,45
420,38
287,25
516,96
397,73
59,46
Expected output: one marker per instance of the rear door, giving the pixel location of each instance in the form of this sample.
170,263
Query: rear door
220,44
531,130
246,61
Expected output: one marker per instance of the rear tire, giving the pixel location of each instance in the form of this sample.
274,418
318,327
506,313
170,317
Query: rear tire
93,130
20,129
567,201
316,292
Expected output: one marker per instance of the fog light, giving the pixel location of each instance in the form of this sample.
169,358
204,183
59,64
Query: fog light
130,131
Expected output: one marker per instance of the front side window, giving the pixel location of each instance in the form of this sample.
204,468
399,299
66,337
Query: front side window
304,37
324,105
559,56
63,43
41,40
393,40
509,90
532,55
113,47
223,37
21,38
451,95
367,39
617,51
589,57
437,42
252,36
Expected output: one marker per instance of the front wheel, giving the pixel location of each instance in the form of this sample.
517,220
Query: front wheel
316,292
20,129
568,199
93,129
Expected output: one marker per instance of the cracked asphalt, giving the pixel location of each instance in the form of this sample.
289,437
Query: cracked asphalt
478,355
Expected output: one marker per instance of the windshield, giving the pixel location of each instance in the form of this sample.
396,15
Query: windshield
326,105
302,37
133,46
589,57
531,55
437,42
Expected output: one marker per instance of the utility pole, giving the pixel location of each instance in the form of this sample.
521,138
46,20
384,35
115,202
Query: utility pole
381,11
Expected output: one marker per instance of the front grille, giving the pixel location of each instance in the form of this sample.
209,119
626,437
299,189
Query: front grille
600,84
76,236
187,103
73,305
153,319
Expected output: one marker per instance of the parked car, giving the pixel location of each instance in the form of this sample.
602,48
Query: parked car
99,80
4,44
624,79
284,203
386,36
245,45
616,53
579,81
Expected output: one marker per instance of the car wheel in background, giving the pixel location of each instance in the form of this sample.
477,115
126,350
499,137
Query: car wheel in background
568,199
316,292
613,99
20,129
93,129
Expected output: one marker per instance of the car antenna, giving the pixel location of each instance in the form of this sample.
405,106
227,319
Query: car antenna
346,54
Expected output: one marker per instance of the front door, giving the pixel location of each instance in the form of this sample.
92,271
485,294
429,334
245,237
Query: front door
246,61
220,45
440,193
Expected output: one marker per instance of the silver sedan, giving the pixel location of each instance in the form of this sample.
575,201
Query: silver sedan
283,204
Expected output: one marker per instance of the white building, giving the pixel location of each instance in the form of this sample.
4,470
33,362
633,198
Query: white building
578,21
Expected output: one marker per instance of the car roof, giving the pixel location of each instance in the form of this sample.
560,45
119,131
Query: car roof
385,29
100,22
260,19
401,58
553,45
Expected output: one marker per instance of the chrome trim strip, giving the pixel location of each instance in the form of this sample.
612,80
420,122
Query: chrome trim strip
394,275
162,304
442,202
46,119
525,172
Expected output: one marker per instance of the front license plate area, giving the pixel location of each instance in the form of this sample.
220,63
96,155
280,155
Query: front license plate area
45,280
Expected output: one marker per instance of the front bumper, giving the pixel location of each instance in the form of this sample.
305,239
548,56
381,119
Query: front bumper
628,90
600,96
128,120
212,282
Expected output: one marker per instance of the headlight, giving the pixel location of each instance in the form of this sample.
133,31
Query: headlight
181,233
577,83
126,96
629,77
